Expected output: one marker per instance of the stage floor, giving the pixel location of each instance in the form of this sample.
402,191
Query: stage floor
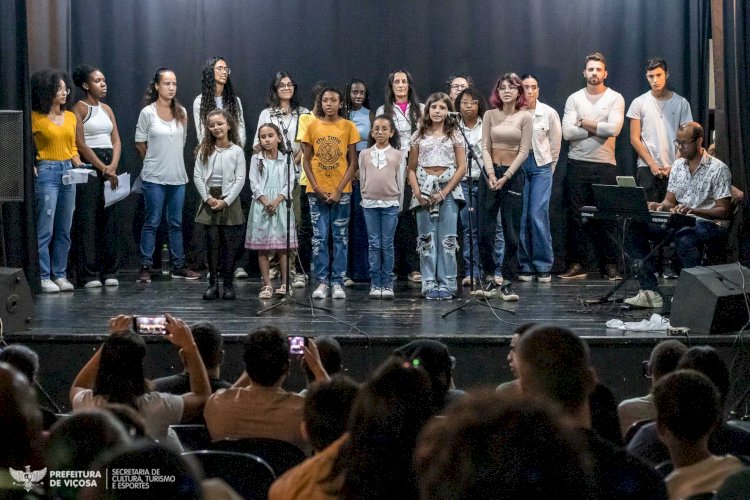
85,311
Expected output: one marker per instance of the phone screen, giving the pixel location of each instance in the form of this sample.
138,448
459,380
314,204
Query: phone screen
296,345
150,325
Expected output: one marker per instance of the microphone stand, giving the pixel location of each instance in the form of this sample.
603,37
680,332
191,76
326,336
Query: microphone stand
472,300
287,298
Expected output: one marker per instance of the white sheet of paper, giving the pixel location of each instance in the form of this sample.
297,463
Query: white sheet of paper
78,175
122,191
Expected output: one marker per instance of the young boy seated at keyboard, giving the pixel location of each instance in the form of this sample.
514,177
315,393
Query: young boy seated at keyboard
699,185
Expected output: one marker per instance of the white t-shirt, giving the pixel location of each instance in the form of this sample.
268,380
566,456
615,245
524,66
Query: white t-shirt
608,109
158,409
218,104
164,162
659,123
707,475
287,125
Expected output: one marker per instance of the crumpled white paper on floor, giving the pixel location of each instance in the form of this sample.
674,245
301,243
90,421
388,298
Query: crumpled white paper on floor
654,324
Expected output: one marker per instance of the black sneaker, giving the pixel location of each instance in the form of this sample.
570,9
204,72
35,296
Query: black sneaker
507,294
544,277
489,289
144,275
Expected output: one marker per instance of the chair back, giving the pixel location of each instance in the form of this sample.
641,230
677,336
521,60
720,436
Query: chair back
250,476
192,437
633,429
280,455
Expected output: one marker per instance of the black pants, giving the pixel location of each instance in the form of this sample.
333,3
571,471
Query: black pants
405,241
581,175
655,187
221,247
505,207
97,229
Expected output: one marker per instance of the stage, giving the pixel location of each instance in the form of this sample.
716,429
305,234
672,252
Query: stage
69,327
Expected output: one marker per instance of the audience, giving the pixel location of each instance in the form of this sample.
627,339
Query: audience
331,358
434,358
663,360
326,415
257,405
26,361
115,375
492,448
553,365
725,438
687,411
511,388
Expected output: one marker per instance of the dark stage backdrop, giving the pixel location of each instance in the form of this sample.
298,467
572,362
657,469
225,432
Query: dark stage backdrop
335,40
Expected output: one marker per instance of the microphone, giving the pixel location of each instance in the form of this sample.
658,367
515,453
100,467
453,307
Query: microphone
277,113
454,114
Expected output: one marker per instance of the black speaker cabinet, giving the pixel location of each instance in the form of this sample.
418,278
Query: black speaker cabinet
16,306
711,300
11,156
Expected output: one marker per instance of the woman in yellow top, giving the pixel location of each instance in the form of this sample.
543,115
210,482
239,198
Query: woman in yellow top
54,131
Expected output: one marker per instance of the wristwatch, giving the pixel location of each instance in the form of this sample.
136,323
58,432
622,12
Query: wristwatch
579,122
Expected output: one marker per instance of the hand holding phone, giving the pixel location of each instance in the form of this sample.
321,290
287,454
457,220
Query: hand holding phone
297,345
150,325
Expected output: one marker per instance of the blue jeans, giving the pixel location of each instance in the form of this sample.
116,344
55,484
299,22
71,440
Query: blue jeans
55,203
465,213
333,219
438,268
381,227
535,252
155,195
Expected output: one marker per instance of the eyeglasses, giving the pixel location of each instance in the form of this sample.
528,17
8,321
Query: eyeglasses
683,144
458,86
63,91
285,86
358,92
472,104
508,89
223,69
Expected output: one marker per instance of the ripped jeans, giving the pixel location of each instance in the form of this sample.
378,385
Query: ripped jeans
55,203
333,219
437,243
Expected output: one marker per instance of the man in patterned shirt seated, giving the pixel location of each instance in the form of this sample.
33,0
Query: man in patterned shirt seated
699,185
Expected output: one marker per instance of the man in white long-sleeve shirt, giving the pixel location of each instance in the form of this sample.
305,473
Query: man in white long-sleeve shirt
593,119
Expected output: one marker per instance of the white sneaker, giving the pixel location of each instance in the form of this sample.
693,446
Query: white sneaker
298,281
338,291
387,293
93,284
321,292
375,292
647,299
65,285
273,273
240,273
348,281
111,282
48,286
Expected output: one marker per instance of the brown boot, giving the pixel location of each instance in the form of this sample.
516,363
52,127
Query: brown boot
575,271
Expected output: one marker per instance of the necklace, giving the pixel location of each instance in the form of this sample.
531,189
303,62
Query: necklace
660,109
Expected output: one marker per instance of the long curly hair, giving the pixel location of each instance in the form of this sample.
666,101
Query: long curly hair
208,144
152,95
208,92
272,98
450,125
348,96
415,113
44,86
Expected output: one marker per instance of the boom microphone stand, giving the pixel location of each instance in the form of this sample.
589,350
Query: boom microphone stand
472,300
288,298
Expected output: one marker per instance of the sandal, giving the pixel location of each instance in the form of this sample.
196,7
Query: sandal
415,276
266,292
281,291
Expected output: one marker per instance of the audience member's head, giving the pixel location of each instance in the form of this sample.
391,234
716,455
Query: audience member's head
266,356
687,407
130,419
209,342
604,418
517,334
187,475
20,421
75,442
490,448
329,350
327,408
664,358
120,375
388,414
706,360
433,357
22,359
553,364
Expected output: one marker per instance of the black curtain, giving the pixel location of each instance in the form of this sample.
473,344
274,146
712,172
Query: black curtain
335,40
18,226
